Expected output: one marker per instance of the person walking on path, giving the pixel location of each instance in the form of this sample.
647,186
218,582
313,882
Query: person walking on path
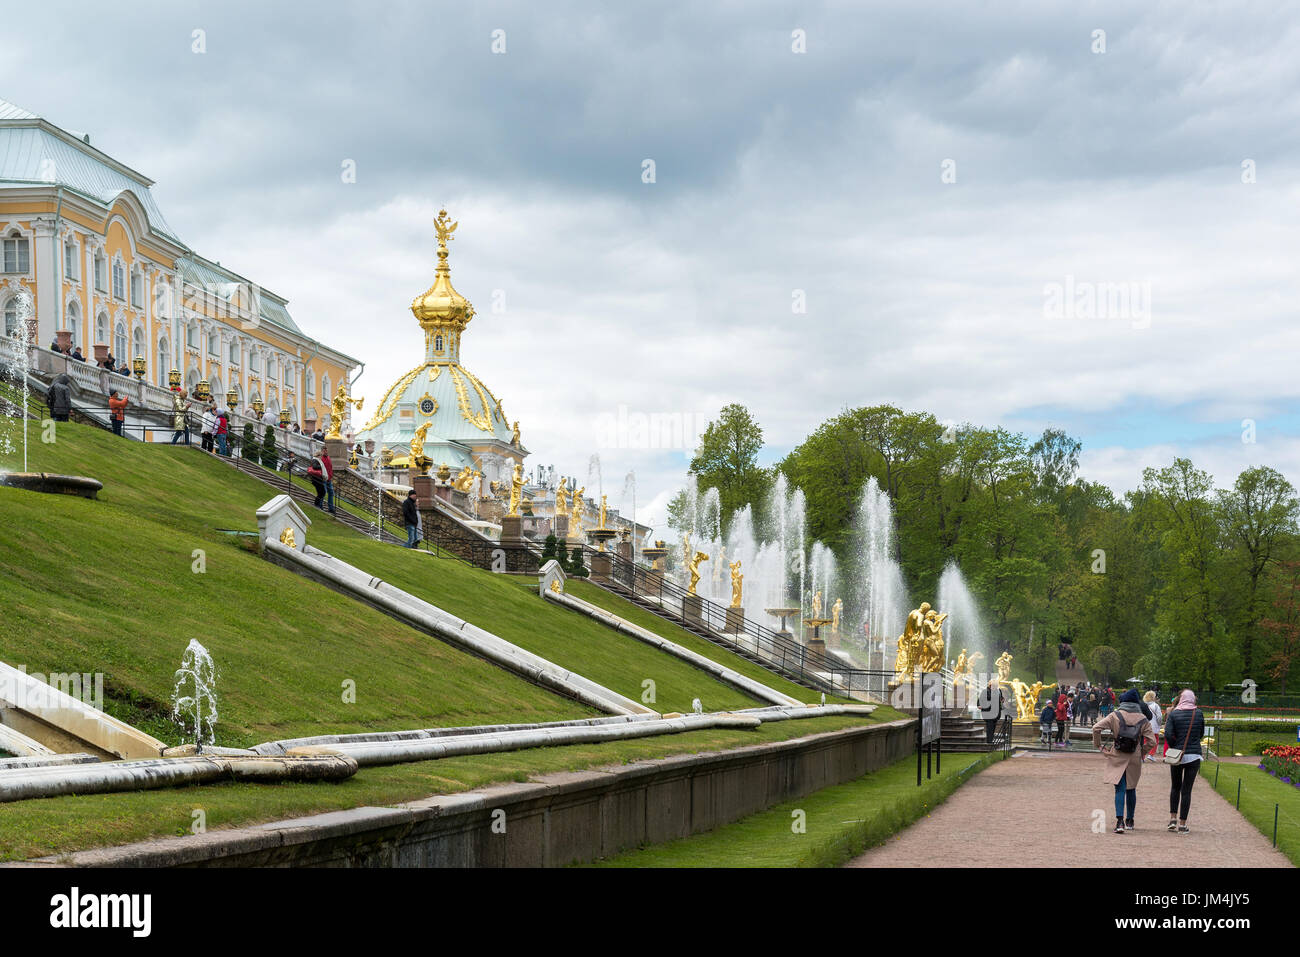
1062,716
316,475
1045,719
60,398
116,410
207,426
222,430
411,517
1131,737
180,417
1157,720
992,704
1184,728
329,477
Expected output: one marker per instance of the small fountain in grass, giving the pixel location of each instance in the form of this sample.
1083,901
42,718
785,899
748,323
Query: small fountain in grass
196,712
15,363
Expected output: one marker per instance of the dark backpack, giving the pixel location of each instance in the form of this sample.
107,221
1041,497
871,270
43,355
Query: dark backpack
1128,736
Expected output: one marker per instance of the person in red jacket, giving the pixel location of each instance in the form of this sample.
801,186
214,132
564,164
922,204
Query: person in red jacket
117,410
222,430
1062,716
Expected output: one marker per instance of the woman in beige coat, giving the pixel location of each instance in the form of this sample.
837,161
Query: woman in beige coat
1124,768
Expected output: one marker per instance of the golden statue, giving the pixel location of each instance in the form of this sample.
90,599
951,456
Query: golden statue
355,458
555,585
339,410
417,443
1037,688
602,511
909,643
464,479
1003,664
694,567
575,514
963,671
442,229
737,581
514,436
1026,697
286,537
516,489
930,656
837,610
562,498
817,605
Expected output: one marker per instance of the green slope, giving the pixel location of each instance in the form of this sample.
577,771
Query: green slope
110,586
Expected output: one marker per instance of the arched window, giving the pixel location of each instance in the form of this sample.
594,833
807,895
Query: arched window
71,261
11,317
161,365
191,381
16,253
119,340
119,280
101,325
137,289
101,272
137,343
437,344
325,386
218,393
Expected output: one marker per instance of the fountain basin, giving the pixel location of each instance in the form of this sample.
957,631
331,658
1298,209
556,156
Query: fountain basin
53,484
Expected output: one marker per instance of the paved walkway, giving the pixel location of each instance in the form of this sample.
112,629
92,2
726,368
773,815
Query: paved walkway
1037,809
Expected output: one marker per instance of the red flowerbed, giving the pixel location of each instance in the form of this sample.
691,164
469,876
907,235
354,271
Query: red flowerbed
1283,762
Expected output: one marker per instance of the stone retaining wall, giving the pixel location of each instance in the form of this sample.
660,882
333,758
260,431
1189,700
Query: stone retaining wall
555,820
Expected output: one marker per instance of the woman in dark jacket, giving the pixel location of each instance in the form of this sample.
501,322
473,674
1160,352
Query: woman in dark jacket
1184,728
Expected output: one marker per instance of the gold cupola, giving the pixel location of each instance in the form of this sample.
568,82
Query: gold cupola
441,311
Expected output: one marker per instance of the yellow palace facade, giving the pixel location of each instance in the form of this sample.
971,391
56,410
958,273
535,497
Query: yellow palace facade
81,235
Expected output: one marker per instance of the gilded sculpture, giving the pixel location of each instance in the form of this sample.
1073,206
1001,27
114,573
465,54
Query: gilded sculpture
737,583
931,656
837,611
286,537
464,481
817,605
514,434
602,512
1003,664
920,646
562,498
516,488
339,410
693,566
575,514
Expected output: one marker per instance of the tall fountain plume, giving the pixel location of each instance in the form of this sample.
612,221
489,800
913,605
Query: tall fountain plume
964,627
880,600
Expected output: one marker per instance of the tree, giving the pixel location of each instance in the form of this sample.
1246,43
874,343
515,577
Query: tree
1257,512
548,549
270,459
1284,621
727,460
1104,659
249,448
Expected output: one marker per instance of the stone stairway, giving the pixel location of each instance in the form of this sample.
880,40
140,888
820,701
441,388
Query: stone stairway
303,497
811,682
960,732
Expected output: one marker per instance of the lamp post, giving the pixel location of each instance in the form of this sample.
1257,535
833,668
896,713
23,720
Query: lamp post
137,366
258,407
284,418
203,391
174,380
232,397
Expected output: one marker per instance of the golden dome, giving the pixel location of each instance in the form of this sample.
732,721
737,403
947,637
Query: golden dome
441,304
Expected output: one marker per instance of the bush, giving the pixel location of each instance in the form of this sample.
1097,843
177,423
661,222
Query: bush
548,549
270,459
250,448
577,569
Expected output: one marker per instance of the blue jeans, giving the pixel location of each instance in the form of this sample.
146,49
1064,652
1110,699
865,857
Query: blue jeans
1120,792
221,444
329,491
412,535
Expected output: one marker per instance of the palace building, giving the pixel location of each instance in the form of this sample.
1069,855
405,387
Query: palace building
81,233
440,404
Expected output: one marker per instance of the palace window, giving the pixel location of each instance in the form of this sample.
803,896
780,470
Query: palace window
11,318
101,328
311,383
137,342
71,260
161,365
255,362
137,290
192,336
119,342
119,281
17,255
437,344
214,347
101,279
234,353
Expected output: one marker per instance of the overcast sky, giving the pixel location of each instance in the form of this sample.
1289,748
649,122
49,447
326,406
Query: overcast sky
929,178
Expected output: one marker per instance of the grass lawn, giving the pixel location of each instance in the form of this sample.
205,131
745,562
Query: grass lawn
38,828
841,822
1260,793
